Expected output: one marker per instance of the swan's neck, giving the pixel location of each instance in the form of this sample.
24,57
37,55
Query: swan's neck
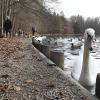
85,74
87,46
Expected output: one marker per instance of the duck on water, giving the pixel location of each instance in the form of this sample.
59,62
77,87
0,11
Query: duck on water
85,67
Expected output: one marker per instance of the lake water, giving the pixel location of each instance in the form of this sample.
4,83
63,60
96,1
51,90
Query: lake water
64,44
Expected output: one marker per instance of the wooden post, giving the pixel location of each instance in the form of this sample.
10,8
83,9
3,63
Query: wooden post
58,58
45,49
97,90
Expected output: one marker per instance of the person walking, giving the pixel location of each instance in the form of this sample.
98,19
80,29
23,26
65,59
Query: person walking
33,31
7,26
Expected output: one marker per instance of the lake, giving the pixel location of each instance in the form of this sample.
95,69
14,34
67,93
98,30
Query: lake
64,44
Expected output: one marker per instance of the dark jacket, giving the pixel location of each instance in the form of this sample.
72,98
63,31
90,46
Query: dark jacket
7,25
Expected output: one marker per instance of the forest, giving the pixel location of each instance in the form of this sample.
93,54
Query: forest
27,13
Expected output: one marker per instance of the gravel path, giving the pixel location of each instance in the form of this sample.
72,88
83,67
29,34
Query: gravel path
25,74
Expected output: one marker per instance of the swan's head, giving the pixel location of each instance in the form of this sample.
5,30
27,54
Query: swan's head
89,35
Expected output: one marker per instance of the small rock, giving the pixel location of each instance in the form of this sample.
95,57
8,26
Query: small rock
41,76
17,88
29,81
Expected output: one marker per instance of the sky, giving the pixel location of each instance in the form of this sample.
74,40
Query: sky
86,8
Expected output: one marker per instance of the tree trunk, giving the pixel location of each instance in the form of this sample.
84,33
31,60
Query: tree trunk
2,6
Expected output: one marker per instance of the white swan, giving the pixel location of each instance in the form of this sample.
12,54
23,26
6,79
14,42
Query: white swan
85,68
38,39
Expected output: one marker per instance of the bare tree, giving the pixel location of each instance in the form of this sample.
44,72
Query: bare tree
2,13
26,13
